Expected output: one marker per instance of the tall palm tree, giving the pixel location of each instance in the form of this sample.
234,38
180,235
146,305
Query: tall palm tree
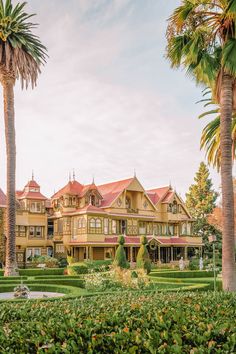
21,54
201,37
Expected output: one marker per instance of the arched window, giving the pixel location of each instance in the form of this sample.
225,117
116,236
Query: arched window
128,203
175,207
98,223
83,223
92,200
170,208
92,223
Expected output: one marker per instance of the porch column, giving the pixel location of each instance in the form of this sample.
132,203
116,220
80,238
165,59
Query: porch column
171,254
159,254
131,254
87,253
91,253
185,253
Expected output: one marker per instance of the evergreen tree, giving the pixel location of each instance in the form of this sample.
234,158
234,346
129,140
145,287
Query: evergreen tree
120,256
143,259
201,201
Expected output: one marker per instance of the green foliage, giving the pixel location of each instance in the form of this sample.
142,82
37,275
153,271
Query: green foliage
77,268
143,259
184,274
120,256
49,262
122,323
201,201
34,272
210,139
21,50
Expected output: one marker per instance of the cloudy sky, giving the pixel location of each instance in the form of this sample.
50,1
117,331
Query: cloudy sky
107,101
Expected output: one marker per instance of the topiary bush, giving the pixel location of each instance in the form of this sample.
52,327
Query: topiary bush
120,256
143,259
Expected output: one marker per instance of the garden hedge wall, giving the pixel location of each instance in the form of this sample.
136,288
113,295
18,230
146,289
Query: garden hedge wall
183,274
46,271
122,323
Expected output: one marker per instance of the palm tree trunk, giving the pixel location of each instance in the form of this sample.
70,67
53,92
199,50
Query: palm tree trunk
9,118
228,247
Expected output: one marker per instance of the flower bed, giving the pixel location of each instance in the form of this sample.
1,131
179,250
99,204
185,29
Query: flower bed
122,323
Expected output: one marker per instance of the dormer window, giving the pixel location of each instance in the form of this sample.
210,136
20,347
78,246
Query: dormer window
92,200
173,208
128,203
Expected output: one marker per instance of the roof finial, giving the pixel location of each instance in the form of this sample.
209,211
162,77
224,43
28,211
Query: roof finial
93,182
170,186
32,175
69,176
134,172
73,174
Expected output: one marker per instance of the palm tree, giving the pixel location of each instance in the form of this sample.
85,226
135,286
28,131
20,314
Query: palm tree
210,138
21,54
201,37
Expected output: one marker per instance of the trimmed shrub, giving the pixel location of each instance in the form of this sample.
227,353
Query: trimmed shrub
143,259
184,274
35,272
120,256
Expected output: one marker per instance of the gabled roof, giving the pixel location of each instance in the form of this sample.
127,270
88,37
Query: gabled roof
29,194
72,188
158,194
75,188
168,197
32,184
3,198
111,191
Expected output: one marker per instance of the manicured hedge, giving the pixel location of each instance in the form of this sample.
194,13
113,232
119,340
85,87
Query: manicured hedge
47,271
184,274
124,323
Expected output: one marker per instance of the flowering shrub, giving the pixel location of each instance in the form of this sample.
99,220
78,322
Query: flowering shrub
117,278
50,262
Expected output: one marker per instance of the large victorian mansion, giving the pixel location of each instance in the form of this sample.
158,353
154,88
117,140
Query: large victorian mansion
85,221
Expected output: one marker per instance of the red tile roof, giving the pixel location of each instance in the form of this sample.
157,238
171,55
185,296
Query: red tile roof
168,197
3,198
135,240
32,184
30,195
110,191
158,194
72,188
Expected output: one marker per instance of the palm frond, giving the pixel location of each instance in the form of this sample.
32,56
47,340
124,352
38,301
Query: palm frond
21,52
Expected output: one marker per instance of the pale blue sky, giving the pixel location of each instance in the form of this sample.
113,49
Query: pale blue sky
107,101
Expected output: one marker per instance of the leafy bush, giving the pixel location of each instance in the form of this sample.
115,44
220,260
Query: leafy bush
120,256
122,323
77,268
143,259
62,262
99,266
49,262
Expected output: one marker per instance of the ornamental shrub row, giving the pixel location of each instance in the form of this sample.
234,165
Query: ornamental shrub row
184,274
46,271
122,323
